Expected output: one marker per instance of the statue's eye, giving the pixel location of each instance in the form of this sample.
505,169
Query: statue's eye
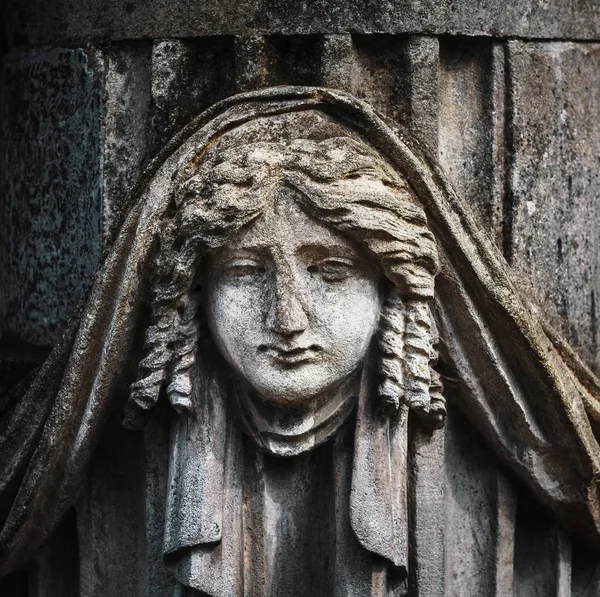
333,269
245,269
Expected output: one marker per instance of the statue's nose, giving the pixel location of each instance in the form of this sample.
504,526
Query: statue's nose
287,312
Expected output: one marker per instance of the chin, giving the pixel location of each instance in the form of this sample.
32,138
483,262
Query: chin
290,393
293,389
289,396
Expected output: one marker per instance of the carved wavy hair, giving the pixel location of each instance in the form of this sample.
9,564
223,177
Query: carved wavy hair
339,182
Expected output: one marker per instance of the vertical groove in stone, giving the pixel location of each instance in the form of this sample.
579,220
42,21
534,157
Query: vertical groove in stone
125,127
542,553
256,532
424,68
419,75
563,555
156,473
509,159
325,60
504,535
426,513
188,76
471,121
383,74
289,507
585,572
113,549
337,61
251,62
497,108
399,76
294,60
480,514
55,570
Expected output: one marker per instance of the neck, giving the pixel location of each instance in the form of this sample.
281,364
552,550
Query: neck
288,431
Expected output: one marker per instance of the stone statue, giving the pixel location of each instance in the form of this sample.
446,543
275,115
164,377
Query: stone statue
286,257
273,282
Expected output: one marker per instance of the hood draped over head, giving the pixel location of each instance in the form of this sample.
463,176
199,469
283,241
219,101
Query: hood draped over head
527,394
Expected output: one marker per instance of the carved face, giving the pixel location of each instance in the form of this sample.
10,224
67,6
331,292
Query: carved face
291,304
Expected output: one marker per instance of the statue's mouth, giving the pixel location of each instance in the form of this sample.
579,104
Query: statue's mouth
291,355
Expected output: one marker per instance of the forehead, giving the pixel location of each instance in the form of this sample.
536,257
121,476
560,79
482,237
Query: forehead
284,224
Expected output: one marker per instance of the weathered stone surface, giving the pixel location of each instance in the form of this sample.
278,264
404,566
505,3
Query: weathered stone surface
585,577
51,180
262,61
542,554
337,61
427,511
126,134
553,239
55,571
471,121
110,519
251,62
480,509
399,76
187,77
156,469
293,58
39,21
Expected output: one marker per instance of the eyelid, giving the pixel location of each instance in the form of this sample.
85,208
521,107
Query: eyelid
339,260
333,269
244,268
244,262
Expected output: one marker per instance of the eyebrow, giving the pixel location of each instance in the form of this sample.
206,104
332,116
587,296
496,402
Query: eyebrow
325,246
332,247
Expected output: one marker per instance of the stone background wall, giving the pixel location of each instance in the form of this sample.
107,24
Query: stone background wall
505,95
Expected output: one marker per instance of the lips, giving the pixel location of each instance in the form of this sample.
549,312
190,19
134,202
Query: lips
292,355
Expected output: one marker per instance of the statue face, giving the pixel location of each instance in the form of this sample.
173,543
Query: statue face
291,304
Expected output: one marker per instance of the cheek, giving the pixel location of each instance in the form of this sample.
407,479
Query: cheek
349,316
233,316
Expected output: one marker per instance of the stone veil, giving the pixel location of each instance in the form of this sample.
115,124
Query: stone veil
517,381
